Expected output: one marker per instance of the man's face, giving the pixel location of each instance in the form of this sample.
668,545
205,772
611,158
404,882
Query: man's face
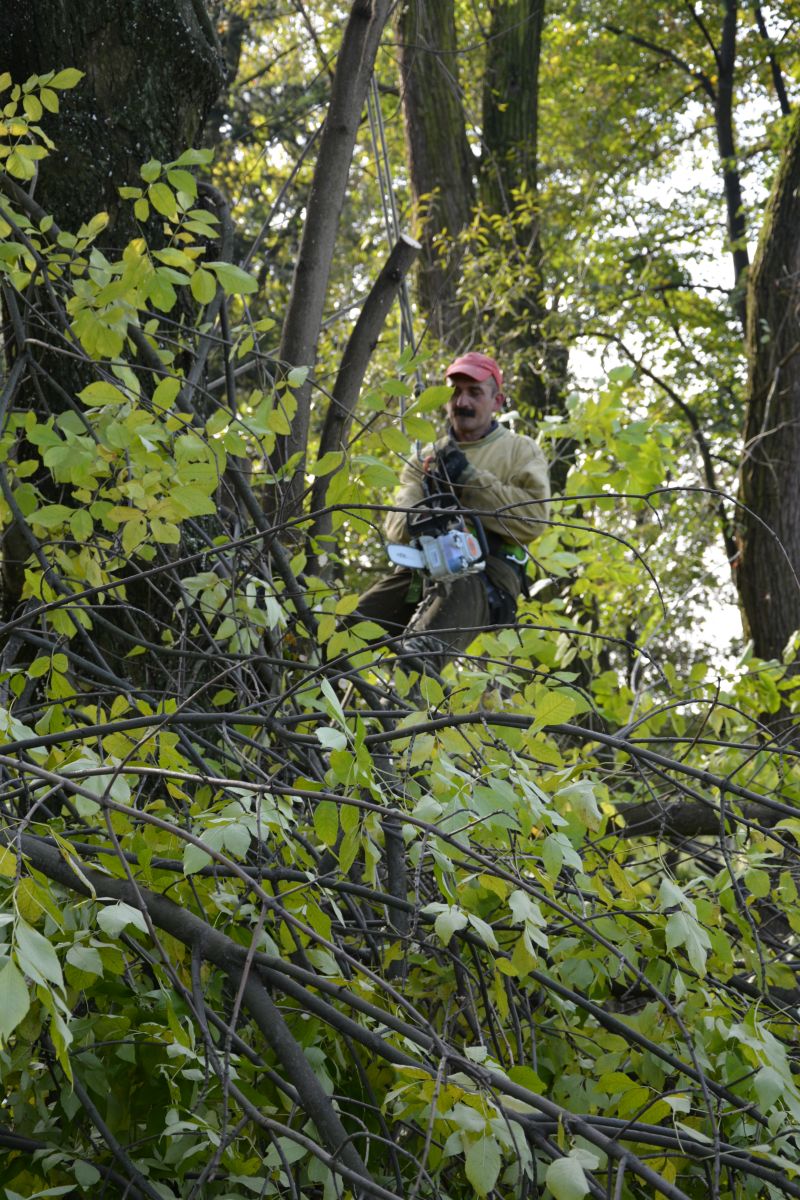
472,406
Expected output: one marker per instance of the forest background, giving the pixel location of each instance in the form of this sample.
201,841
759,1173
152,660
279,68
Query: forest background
277,918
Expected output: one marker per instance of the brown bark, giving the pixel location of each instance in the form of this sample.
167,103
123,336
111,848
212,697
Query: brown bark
769,561
355,360
441,165
511,102
731,177
152,71
303,320
508,180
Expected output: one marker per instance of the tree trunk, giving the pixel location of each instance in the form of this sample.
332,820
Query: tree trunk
508,184
511,102
731,178
769,563
303,321
120,115
441,165
151,72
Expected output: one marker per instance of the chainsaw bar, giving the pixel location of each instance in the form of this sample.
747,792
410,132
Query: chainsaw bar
405,556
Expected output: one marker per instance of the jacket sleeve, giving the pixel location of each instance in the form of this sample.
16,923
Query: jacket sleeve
516,505
408,494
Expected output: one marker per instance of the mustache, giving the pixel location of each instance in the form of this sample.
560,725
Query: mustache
463,411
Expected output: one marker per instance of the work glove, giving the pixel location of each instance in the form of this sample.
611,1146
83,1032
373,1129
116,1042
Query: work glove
450,464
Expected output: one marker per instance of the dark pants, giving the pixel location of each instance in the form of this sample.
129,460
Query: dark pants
434,628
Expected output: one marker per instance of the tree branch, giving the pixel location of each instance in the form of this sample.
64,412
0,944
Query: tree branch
355,360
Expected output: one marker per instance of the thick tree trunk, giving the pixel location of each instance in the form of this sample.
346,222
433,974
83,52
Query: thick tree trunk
152,71
508,184
769,563
441,165
511,102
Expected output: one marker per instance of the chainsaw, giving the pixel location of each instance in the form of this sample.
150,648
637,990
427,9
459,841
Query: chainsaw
441,545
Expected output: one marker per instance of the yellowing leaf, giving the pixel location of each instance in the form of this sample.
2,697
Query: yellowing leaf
133,534
162,198
204,286
8,862
51,515
99,393
67,78
552,708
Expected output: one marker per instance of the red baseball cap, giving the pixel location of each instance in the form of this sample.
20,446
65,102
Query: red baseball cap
476,366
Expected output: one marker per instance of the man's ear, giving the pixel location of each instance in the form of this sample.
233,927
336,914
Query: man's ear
499,401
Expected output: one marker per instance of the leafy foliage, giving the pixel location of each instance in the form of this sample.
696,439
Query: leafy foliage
279,919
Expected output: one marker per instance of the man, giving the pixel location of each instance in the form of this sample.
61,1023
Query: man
502,477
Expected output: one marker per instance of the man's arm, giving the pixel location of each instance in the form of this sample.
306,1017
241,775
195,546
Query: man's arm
516,497
409,493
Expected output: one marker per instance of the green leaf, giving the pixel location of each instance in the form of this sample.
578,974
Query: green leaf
164,395
484,931
330,738
553,708
329,462
552,855
581,799
396,387
182,181
133,534
448,922
194,859
684,930
203,286
86,1174
35,955
162,198
482,1164
193,158
758,882
378,475
233,280
85,958
151,170
116,917
326,822
81,524
432,398
68,78
51,515
769,1087
14,999
395,439
297,376
100,393
566,1179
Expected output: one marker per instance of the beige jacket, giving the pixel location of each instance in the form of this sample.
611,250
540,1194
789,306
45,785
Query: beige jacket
506,484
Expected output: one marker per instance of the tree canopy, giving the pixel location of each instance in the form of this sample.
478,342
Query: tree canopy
277,916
